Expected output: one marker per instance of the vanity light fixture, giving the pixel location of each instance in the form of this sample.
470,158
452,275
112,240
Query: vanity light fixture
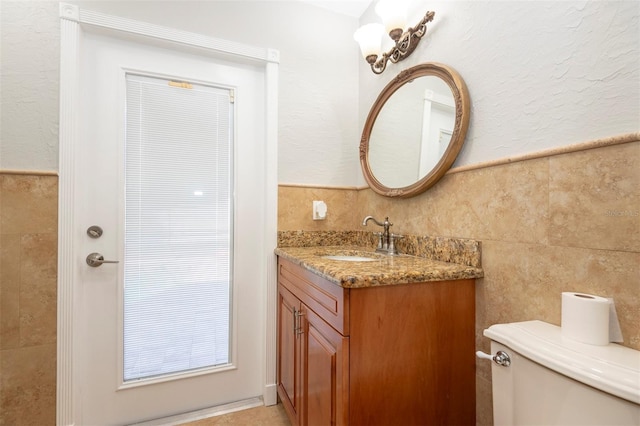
394,17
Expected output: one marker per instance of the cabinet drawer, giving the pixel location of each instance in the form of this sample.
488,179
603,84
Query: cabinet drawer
328,300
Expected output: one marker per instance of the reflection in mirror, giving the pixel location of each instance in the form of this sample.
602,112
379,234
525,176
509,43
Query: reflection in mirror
415,130
419,119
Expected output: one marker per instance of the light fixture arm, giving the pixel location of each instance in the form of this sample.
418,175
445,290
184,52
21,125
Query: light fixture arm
405,44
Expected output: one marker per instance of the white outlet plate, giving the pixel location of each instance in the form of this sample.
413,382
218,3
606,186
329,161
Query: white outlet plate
319,210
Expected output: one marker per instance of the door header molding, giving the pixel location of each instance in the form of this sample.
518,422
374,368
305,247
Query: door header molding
89,19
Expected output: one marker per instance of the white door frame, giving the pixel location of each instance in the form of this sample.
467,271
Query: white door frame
73,21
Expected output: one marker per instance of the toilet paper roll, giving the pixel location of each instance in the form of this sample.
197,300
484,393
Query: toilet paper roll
588,318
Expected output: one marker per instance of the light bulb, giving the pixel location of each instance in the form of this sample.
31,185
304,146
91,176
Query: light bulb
369,37
393,14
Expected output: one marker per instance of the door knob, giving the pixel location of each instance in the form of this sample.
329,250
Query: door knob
96,259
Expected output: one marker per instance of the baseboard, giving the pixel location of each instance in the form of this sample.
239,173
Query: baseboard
270,395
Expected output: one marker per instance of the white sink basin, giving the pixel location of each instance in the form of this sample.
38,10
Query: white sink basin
349,258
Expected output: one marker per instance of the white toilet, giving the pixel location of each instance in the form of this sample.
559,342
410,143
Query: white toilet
551,380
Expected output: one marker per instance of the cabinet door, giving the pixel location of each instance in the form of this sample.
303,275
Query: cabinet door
326,380
289,354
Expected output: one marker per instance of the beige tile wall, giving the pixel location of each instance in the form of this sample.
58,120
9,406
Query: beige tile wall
568,222
28,259
295,208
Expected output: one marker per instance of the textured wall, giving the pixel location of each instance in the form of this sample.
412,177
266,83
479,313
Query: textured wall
318,79
541,74
29,68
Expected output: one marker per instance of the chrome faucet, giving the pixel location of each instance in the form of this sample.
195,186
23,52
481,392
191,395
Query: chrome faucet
386,240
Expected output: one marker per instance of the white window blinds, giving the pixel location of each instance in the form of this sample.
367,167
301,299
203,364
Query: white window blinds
178,227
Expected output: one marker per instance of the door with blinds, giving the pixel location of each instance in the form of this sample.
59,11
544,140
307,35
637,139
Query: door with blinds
178,222
171,210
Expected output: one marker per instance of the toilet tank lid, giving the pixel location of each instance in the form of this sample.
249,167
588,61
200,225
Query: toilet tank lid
613,368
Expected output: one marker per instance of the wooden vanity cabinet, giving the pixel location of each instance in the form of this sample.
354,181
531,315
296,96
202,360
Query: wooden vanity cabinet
385,355
313,355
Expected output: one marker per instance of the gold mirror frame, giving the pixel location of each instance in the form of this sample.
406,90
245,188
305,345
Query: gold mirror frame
462,112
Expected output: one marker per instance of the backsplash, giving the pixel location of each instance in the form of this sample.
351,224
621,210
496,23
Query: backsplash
454,250
562,221
303,238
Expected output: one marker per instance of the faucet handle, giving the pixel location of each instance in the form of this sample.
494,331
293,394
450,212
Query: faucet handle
392,243
379,234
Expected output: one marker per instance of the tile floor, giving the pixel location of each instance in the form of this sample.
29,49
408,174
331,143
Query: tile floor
259,416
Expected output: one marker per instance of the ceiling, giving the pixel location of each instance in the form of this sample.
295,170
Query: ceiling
353,8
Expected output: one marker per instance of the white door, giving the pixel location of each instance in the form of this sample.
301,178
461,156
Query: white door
108,395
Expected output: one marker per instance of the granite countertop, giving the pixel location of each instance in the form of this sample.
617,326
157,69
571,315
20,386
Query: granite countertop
385,270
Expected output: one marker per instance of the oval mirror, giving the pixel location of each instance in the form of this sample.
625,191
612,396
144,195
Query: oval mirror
415,130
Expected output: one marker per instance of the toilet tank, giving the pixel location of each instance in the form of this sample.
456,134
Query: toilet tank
557,381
